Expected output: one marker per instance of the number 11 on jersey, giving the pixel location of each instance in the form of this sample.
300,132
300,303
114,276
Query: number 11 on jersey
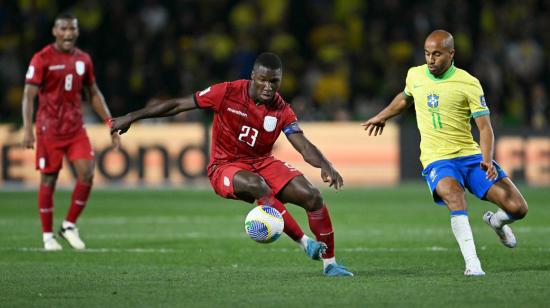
248,135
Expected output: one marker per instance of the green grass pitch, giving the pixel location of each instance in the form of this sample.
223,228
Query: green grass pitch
187,248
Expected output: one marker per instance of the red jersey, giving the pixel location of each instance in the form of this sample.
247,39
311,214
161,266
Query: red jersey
242,130
60,77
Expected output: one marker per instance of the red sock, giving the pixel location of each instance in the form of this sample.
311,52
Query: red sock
78,202
45,207
321,226
292,229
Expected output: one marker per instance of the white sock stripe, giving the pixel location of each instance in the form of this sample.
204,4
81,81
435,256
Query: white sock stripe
46,210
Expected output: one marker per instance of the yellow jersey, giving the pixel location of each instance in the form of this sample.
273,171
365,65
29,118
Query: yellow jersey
444,106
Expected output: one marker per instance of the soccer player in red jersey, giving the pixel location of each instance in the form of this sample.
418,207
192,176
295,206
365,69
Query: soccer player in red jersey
249,115
57,74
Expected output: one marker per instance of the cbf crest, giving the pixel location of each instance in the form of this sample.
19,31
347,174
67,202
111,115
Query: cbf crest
433,106
433,100
270,123
80,67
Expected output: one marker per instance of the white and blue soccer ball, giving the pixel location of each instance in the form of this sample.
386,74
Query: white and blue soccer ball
264,224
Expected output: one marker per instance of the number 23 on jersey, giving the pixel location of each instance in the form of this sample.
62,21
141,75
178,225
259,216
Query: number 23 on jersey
248,135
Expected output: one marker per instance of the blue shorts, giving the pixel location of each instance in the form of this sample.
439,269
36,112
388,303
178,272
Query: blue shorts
465,170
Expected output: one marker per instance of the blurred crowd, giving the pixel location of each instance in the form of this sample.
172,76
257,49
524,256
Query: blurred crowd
343,59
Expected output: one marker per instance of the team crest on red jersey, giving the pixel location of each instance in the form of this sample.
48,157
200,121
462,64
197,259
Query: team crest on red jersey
80,68
270,123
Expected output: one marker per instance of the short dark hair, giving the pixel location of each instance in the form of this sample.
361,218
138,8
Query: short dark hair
268,60
64,16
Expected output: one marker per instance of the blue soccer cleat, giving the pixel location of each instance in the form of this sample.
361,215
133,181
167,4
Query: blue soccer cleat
337,270
315,249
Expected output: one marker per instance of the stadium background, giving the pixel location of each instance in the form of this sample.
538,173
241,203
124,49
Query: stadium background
343,61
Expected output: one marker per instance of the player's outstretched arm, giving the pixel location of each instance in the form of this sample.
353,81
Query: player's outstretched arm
487,145
376,124
29,94
162,109
97,100
314,157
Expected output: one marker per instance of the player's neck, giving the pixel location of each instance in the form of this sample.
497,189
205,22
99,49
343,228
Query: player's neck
444,75
58,49
259,102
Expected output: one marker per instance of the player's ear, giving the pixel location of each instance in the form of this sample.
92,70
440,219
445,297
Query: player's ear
252,74
452,53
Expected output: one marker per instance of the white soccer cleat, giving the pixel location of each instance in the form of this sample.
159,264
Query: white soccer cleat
505,233
51,244
474,272
473,268
71,235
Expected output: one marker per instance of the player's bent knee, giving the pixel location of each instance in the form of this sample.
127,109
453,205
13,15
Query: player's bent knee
48,179
314,200
455,201
521,209
87,177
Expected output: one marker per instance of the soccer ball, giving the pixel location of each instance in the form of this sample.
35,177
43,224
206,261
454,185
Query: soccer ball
264,224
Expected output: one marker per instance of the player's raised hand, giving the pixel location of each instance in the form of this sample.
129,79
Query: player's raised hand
490,170
331,176
375,124
120,125
28,139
